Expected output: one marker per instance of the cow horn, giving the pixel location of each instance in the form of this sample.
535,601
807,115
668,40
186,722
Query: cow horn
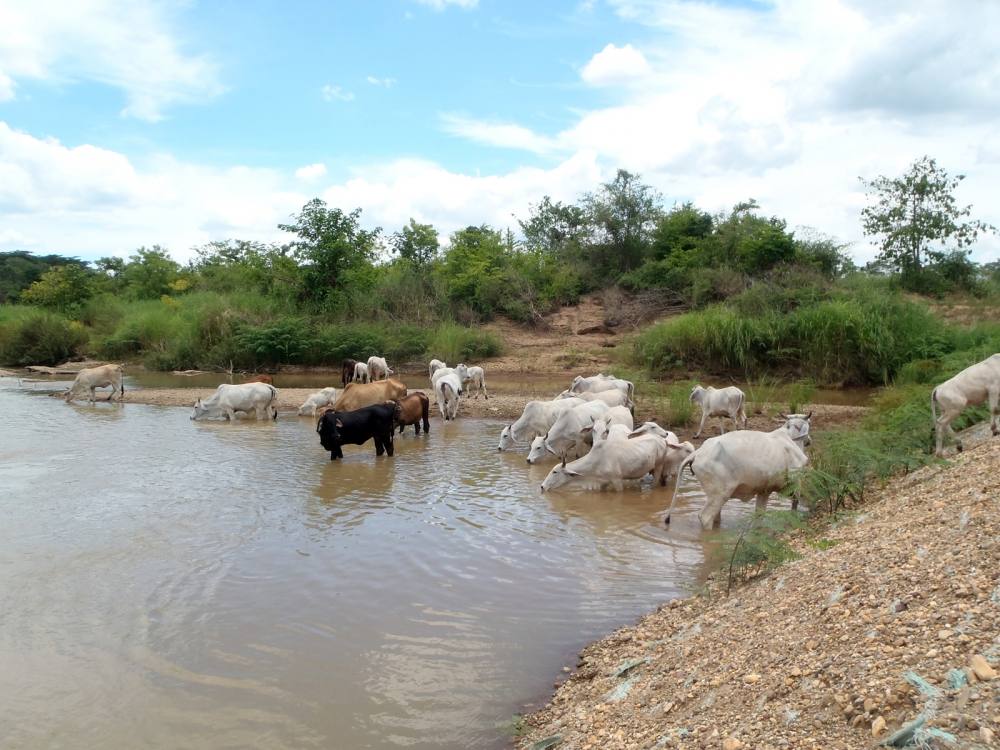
564,461
809,416
783,416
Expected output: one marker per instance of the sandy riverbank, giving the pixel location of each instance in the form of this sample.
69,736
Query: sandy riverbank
828,652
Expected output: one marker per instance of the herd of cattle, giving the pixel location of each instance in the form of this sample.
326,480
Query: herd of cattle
588,428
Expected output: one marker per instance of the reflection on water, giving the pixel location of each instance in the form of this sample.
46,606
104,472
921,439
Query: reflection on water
165,583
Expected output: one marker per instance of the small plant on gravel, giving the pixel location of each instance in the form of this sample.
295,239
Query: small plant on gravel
799,393
758,547
760,392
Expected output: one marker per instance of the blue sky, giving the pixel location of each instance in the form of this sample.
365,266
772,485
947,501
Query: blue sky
179,123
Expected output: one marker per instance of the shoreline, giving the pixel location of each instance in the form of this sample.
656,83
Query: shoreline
828,651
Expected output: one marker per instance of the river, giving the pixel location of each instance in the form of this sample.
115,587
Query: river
167,583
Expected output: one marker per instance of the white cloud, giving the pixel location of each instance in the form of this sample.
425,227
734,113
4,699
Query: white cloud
386,83
440,5
330,93
503,135
311,171
128,46
613,66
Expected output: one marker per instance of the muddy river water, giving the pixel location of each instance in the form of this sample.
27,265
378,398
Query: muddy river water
167,583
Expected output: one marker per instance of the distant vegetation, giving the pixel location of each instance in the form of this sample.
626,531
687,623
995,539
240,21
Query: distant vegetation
765,299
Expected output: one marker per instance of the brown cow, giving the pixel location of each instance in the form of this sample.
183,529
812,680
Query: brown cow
261,379
347,371
358,395
413,409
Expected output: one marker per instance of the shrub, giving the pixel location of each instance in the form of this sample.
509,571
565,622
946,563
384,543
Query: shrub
453,344
30,336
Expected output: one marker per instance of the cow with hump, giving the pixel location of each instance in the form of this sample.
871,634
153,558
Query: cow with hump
357,427
91,378
355,395
228,399
745,465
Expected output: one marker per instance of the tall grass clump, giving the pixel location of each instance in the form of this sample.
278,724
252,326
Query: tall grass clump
35,336
453,343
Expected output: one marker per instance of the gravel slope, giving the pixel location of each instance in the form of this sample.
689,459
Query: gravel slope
828,652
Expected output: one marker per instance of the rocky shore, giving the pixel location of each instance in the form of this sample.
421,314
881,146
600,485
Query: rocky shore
886,631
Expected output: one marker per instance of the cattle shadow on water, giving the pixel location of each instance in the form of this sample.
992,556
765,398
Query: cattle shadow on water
102,411
350,490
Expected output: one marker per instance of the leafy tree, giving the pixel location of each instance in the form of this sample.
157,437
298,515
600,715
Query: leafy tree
62,288
231,265
330,245
682,230
915,217
19,269
751,243
417,243
555,228
473,268
149,273
623,212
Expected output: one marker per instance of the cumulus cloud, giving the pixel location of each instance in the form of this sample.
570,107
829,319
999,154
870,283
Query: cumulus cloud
613,66
386,83
440,5
311,171
129,46
330,93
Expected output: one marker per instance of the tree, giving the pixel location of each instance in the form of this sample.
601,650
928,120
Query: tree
149,273
19,269
554,228
624,212
681,230
473,268
915,217
331,246
62,288
417,243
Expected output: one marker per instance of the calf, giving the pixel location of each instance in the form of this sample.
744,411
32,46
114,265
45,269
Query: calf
413,409
972,386
347,371
476,376
360,372
719,402
319,399
91,378
433,366
339,428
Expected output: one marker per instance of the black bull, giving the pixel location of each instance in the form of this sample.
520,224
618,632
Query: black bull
338,428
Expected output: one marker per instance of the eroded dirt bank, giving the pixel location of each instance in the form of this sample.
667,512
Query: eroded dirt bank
898,620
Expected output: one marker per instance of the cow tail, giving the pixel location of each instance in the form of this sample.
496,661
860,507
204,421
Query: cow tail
271,404
689,461
934,415
121,385
425,405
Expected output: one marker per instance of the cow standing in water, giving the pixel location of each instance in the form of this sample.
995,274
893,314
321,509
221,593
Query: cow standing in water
91,378
376,422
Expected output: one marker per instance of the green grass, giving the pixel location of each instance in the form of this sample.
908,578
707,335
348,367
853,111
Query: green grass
454,343
33,336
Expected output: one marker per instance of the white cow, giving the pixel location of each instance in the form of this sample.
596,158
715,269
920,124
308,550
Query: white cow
433,366
677,455
319,399
566,436
378,369
599,428
536,419
448,390
746,464
972,386
91,378
598,383
719,402
613,397
613,462
477,376
246,397
360,373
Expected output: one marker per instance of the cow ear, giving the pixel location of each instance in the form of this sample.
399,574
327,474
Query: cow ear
588,428
572,473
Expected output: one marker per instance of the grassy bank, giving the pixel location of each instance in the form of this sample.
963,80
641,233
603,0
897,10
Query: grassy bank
206,330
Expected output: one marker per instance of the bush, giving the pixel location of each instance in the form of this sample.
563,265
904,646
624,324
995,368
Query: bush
30,336
454,344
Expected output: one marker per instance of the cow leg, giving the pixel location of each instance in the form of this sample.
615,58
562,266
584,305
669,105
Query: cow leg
761,504
230,415
704,416
994,395
486,395
379,447
722,425
389,445
711,515
93,395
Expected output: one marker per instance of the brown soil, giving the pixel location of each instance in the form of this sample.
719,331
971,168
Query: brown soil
828,652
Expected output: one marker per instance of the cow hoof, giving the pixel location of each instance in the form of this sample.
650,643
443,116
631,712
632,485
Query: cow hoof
666,521
960,448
